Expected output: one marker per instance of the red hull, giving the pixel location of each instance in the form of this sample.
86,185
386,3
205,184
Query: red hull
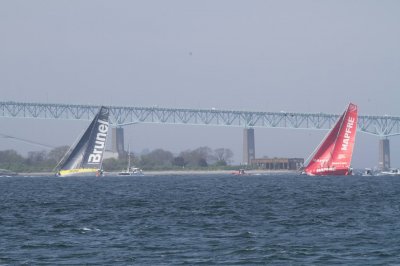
335,172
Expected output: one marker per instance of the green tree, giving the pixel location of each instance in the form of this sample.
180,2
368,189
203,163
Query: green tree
158,158
11,160
223,156
10,156
36,157
179,161
198,157
56,154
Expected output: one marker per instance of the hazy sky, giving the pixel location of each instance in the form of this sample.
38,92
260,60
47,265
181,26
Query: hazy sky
300,56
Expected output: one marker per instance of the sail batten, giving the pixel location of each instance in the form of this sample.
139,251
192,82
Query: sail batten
333,156
87,155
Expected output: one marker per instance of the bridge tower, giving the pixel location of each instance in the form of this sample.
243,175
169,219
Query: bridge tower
118,140
384,154
248,146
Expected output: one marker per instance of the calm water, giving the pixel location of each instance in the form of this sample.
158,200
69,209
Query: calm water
216,219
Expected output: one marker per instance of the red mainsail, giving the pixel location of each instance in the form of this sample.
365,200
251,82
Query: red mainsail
333,155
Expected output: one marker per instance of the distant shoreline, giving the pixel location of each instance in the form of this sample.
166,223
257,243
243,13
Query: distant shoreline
179,172
205,172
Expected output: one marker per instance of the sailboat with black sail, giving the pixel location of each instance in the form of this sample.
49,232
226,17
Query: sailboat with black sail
86,157
333,156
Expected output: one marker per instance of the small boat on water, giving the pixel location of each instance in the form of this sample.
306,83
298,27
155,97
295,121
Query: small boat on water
391,172
130,171
239,172
367,172
333,155
7,173
86,156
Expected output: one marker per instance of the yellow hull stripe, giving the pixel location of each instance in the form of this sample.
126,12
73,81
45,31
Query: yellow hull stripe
78,171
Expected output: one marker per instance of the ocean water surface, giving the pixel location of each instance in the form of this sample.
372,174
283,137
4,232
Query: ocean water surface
200,219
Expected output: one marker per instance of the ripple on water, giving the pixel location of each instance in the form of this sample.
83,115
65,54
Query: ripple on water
205,220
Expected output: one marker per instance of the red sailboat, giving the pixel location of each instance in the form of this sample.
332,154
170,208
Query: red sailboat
333,155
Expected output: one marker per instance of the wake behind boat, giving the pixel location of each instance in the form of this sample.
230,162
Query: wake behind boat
86,157
333,155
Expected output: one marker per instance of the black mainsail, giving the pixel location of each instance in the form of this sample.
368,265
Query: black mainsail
86,157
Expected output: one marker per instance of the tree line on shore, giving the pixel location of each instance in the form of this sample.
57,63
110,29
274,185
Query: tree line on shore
158,159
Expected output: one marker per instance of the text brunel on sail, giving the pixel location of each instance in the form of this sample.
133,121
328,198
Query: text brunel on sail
95,156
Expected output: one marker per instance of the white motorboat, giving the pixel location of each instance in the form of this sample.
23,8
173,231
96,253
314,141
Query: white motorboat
367,172
391,172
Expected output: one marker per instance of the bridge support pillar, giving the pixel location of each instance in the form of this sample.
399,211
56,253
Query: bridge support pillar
384,154
118,140
248,146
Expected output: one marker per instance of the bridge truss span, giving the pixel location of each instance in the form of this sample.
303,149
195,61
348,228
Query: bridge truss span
382,126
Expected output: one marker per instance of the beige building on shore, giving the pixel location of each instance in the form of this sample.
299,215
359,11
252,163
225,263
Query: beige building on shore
278,163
